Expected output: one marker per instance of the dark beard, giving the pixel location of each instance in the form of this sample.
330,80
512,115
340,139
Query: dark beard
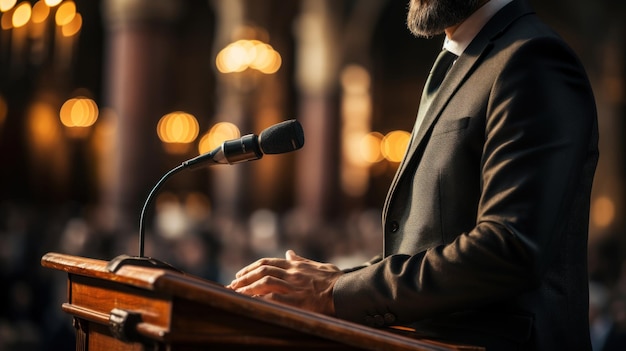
430,17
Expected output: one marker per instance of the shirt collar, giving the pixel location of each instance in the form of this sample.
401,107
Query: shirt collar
467,30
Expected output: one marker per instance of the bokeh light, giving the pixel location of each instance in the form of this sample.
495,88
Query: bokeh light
266,59
73,27
41,11
43,125
217,135
6,5
79,112
65,13
245,54
22,14
52,3
178,127
394,145
603,211
6,21
370,147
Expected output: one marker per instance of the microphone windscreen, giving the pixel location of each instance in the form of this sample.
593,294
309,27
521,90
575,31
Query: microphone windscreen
283,137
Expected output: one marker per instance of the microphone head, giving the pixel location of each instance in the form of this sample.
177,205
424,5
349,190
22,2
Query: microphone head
283,137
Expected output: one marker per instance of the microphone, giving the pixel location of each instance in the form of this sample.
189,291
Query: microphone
280,138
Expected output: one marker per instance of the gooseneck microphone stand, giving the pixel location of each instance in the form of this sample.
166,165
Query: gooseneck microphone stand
116,263
283,137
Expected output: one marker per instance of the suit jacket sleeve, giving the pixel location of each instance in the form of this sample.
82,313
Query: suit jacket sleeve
539,123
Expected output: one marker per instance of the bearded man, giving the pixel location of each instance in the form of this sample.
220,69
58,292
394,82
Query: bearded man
485,224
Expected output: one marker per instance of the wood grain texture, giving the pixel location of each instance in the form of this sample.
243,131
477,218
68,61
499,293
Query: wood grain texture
183,312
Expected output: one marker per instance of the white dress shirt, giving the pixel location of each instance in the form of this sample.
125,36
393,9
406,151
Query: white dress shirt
467,30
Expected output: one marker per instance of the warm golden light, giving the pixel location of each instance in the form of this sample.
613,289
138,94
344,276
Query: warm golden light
6,20
217,135
370,147
43,125
266,59
52,3
65,13
204,145
104,131
41,11
360,148
79,112
178,127
73,27
357,105
603,211
351,143
244,54
22,15
6,5
232,58
66,113
47,146
355,80
394,145
260,54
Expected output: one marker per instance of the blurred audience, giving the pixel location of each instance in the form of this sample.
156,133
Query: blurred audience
186,234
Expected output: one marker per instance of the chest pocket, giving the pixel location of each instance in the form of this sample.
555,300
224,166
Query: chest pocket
447,126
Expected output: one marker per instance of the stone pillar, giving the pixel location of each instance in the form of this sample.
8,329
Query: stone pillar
317,57
138,45
232,105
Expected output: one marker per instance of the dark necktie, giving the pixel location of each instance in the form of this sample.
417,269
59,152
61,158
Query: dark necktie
437,74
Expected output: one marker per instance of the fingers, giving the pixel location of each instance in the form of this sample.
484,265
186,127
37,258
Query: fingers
292,256
293,280
257,275
267,285
275,262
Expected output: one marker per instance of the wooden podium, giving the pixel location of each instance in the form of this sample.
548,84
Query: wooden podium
141,308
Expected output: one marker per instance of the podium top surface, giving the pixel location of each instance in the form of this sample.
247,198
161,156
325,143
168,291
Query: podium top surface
180,285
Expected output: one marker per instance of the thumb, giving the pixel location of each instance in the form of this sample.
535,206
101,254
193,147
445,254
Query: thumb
292,256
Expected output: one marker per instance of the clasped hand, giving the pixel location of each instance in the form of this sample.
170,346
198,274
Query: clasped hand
295,281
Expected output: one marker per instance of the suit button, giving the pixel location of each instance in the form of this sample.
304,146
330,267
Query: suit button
389,318
394,226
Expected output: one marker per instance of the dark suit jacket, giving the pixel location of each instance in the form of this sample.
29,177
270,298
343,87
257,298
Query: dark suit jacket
486,222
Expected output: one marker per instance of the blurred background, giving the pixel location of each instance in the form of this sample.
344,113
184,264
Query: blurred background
99,99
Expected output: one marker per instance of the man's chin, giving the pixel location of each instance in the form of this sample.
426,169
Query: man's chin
420,23
429,18
424,32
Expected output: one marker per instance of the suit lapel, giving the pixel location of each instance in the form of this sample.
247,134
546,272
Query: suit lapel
463,67
450,84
